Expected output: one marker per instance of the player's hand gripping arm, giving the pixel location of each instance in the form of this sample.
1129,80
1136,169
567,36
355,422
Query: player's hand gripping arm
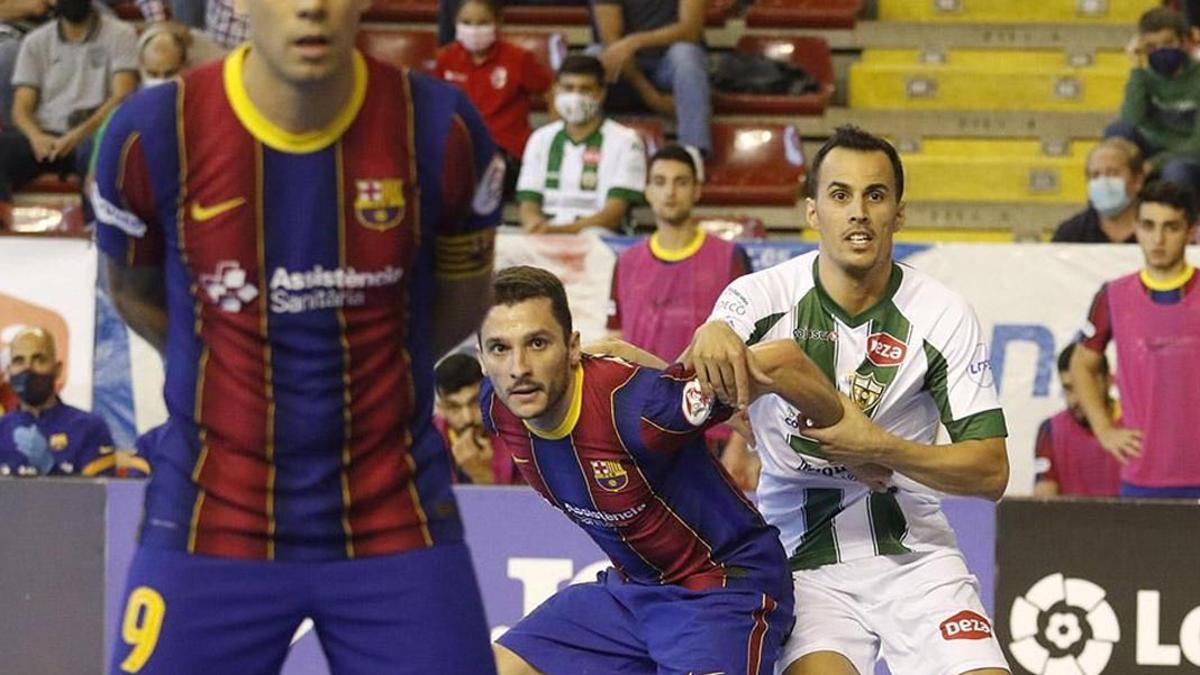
788,372
974,468
722,363
1086,370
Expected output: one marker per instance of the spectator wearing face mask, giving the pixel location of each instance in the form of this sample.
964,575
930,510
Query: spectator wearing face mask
1161,109
500,78
161,55
70,75
44,436
1115,173
584,170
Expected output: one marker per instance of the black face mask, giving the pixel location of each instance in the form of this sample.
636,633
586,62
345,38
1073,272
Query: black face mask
74,11
32,388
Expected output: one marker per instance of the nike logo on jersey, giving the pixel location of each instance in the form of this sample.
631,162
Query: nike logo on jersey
201,213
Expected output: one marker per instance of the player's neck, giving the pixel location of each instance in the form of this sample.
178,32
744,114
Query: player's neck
1120,227
1174,275
578,132
37,410
297,107
555,415
675,236
855,292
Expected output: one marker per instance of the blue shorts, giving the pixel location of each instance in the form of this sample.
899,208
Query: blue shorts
611,626
414,612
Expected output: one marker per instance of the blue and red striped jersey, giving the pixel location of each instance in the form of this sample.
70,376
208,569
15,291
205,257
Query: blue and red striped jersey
300,272
629,465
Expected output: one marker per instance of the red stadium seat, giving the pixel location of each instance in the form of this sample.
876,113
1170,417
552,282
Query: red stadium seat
578,15
810,53
803,13
409,49
733,228
419,11
550,48
52,184
127,10
650,129
754,165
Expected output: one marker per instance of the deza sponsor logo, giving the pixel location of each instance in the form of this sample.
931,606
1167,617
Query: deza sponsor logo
885,349
966,625
1065,624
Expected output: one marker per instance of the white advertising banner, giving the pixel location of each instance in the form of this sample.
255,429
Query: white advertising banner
50,283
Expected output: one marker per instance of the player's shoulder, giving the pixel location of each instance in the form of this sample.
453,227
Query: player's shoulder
40,37
605,372
81,418
115,30
613,130
925,299
544,134
782,284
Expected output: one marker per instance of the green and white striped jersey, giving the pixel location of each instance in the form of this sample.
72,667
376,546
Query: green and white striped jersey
573,180
914,360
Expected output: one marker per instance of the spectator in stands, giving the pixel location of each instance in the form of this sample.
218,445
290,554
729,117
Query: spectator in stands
1161,109
1115,173
657,47
1153,316
17,17
458,418
45,436
1070,461
223,23
500,78
70,75
583,170
448,12
161,55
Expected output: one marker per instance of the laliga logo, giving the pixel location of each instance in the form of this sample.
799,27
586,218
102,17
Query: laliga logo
1063,625
227,286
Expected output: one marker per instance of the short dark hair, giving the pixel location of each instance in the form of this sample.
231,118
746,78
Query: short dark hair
492,5
1163,18
1064,359
582,64
455,372
523,282
851,137
1170,194
672,152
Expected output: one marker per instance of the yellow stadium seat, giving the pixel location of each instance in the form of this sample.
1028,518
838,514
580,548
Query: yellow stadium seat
979,170
1016,11
1015,82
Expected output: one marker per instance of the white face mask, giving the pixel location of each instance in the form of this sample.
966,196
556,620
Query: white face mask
575,107
475,38
148,81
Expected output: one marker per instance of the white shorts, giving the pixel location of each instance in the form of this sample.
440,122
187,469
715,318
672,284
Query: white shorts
920,612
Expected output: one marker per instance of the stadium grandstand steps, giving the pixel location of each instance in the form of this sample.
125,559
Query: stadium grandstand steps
995,170
1026,11
803,13
987,80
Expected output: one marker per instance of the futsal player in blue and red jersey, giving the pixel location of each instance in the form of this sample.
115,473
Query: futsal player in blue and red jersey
301,230
700,583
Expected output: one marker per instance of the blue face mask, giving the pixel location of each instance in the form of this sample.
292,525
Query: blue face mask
1107,195
32,388
1167,60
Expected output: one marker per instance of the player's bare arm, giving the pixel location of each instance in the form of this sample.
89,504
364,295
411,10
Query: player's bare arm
722,363
139,294
973,468
615,346
608,217
1086,371
461,301
789,373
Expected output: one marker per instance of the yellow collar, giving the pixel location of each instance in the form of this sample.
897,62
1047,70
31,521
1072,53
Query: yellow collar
568,424
677,254
271,134
1171,284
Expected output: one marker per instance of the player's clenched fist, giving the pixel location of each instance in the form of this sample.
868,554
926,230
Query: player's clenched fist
722,364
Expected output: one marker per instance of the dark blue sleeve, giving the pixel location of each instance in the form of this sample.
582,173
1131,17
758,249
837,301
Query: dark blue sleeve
673,403
127,230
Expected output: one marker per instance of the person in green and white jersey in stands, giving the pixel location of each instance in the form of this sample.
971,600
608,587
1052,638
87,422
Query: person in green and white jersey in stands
878,574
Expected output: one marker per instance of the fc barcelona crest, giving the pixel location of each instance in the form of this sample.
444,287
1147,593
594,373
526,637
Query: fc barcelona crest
610,475
865,391
379,204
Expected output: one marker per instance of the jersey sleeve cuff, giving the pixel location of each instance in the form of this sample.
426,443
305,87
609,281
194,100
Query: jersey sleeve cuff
981,425
634,197
463,256
529,196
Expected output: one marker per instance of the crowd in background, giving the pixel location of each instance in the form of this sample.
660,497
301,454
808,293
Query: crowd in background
71,63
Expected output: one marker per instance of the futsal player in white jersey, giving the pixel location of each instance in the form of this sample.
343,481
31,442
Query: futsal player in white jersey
878,574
